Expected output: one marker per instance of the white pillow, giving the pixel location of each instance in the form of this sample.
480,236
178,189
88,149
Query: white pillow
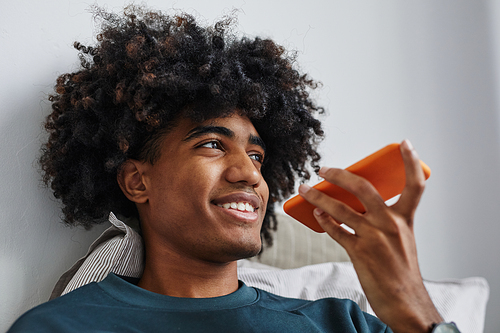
460,300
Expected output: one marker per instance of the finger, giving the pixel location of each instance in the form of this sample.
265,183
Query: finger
333,228
415,182
339,211
366,193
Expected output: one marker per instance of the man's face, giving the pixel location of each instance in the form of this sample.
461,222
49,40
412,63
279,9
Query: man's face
206,195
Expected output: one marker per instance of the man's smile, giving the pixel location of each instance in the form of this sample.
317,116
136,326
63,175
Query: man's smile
241,206
241,201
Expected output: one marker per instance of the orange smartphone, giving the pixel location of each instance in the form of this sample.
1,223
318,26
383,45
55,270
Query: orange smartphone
384,169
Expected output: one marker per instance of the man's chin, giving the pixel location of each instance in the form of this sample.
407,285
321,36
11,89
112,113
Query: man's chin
250,254
243,252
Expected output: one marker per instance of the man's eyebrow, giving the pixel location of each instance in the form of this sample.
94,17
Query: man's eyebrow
256,140
202,130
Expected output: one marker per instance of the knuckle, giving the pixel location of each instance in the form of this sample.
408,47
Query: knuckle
417,185
395,227
361,186
314,194
342,210
331,173
392,228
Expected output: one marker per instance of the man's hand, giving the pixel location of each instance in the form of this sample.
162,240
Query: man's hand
383,249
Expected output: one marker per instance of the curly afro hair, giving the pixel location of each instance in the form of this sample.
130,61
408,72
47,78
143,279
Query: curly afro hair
147,69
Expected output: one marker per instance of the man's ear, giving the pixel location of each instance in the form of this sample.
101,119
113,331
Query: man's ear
131,182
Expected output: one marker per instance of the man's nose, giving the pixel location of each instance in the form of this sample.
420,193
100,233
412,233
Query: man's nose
243,169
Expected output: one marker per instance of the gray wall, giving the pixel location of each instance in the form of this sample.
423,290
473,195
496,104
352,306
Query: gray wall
420,69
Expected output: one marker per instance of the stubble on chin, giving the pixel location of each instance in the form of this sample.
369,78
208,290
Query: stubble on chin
244,249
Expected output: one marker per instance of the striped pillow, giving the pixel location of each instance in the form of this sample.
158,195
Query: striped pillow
119,249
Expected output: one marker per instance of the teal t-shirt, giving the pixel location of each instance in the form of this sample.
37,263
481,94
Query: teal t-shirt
115,305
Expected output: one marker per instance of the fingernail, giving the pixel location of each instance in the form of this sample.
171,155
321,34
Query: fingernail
408,143
304,188
318,211
323,170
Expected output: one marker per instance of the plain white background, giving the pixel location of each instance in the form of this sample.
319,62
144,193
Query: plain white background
419,69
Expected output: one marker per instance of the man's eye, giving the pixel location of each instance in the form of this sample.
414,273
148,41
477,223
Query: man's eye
212,145
257,157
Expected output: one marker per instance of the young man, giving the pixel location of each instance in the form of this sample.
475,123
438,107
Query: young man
198,133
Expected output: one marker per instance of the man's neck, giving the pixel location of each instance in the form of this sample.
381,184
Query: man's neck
175,275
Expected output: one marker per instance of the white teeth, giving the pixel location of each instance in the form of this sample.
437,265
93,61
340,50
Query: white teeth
241,206
248,207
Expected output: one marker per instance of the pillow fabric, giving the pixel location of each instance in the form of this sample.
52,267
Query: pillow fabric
295,245
120,250
460,300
